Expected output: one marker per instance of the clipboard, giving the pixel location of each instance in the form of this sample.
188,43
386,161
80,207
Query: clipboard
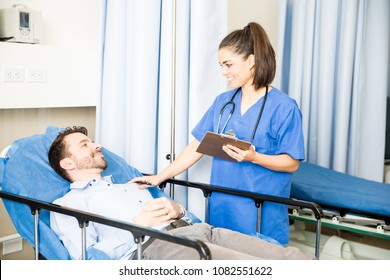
212,143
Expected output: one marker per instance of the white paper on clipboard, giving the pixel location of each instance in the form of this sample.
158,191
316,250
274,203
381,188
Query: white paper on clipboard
212,143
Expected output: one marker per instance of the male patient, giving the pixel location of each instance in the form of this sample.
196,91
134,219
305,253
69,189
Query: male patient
79,160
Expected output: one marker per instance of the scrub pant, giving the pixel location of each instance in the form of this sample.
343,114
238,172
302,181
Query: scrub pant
224,244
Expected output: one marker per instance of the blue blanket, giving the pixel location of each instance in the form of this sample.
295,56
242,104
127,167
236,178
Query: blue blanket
330,188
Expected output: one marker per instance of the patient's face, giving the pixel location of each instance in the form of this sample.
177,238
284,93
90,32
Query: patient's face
84,152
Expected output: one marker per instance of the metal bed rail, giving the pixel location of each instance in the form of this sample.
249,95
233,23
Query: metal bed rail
84,218
342,211
258,199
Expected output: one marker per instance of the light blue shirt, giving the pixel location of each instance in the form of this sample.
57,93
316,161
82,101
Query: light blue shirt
102,197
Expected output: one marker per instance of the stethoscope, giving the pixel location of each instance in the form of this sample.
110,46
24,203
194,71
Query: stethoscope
233,106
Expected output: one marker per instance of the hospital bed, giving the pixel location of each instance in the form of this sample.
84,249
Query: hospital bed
29,185
349,203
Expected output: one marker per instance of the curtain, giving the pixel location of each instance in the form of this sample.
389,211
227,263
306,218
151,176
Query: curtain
152,64
333,59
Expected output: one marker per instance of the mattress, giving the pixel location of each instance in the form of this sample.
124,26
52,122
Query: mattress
344,193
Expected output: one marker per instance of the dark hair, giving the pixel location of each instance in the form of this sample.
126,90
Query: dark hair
253,39
58,150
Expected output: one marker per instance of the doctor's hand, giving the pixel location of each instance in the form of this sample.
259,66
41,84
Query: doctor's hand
158,211
146,181
238,154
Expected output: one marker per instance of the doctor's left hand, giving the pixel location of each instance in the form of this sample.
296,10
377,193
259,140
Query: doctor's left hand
238,154
146,181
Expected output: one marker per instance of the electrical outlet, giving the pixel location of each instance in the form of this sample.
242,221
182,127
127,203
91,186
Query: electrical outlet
13,74
37,75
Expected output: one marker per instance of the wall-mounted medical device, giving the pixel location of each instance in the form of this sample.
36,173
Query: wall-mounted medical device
21,25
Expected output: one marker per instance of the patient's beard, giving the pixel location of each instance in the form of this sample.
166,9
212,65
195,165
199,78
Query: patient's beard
102,164
91,163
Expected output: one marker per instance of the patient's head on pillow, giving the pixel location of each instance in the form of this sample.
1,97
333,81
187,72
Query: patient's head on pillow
58,149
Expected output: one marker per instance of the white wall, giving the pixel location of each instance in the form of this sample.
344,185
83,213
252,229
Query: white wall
67,53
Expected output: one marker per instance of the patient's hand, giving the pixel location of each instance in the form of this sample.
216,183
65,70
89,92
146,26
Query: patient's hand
157,212
146,181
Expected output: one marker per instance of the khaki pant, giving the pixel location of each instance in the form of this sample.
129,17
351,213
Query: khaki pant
224,244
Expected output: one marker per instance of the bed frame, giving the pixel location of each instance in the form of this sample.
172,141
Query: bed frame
140,232
84,218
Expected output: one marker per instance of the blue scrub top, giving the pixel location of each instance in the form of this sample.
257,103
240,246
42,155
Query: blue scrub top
279,132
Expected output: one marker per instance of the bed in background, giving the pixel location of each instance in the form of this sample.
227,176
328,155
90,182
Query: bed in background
349,203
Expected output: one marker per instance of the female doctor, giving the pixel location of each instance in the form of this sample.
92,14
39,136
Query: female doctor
256,112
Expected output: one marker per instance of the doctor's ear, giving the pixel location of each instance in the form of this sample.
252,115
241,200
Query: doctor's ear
251,61
67,164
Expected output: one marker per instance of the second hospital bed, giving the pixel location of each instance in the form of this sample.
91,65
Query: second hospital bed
29,185
350,204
